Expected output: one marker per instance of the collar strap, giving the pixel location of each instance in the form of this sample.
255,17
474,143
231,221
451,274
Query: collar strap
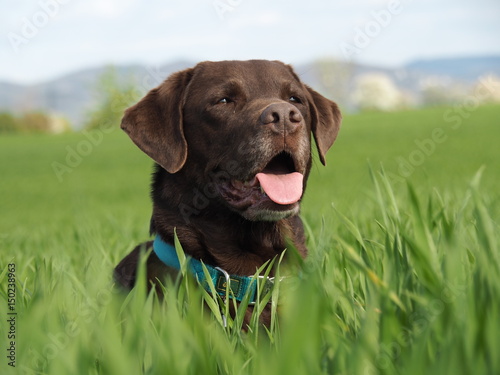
240,286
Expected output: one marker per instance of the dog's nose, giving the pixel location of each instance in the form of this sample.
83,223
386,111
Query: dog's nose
283,118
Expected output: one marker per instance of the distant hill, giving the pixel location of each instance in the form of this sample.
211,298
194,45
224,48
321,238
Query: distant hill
465,68
74,95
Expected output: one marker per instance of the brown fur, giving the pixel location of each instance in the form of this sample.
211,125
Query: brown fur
202,145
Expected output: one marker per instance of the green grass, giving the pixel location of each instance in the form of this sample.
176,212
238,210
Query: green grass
403,275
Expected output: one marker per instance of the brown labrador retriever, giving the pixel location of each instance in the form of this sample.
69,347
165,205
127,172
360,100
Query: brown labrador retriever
232,146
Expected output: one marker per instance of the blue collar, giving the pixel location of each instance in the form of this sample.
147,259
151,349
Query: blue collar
240,286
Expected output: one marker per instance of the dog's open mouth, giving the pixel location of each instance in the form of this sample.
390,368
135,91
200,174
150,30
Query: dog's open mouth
280,182
278,186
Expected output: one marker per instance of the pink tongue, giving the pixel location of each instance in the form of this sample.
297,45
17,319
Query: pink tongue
282,188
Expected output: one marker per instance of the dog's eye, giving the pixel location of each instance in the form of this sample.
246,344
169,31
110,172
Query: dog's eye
295,99
224,101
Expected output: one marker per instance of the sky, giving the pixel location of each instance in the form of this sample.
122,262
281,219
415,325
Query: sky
44,39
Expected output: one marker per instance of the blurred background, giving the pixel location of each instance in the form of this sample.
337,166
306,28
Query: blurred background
417,81
67,64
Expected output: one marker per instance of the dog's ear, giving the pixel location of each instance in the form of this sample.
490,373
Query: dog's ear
155,123
326,119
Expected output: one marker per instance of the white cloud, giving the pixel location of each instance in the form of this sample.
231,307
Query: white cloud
100,31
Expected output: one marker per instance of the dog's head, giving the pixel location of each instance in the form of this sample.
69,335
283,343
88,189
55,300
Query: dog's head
242,128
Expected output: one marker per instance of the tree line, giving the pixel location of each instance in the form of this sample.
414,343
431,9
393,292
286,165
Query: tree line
33,122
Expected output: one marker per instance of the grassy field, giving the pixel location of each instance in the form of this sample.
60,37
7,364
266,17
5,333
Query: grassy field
403,275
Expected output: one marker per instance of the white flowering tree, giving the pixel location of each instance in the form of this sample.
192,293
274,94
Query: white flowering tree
376,91
487,89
